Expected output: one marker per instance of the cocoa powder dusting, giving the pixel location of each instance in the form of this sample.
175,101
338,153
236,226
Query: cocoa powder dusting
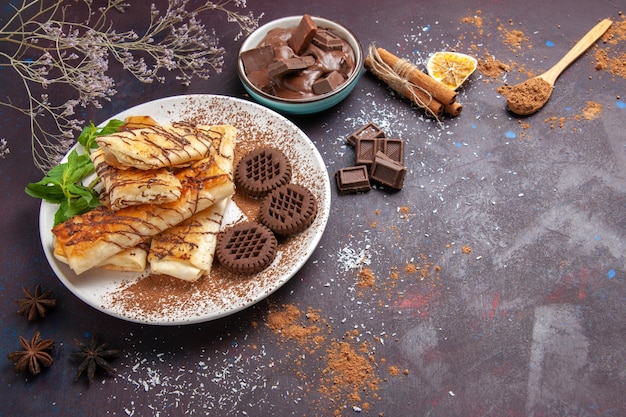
491,67
591,111
515,39
367,278
606,58
285,321
476,19
347,374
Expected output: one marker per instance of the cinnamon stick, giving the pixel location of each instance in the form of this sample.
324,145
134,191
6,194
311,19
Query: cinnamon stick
438,90
453,109
423,99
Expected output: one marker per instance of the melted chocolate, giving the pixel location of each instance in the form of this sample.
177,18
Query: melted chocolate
299,84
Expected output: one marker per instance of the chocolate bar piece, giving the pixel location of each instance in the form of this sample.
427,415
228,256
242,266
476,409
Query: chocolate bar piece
365,150
328,83
257,59
327,41
303,35
387,172
370,130
283,66
393,149
352,180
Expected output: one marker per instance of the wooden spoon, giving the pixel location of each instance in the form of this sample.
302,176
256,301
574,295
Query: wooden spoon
531,95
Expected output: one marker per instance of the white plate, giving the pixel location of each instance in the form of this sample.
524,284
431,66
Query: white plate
210,298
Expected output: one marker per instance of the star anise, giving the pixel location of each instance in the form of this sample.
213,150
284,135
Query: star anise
34,354
93,355
35,305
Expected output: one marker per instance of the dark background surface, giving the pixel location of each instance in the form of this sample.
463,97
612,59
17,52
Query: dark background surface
530,322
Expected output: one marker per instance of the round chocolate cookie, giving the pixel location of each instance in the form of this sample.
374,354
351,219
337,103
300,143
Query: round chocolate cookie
288,210
262,170
246,248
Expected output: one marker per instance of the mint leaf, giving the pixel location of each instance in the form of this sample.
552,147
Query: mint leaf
88,135
63,184
50,192
78,167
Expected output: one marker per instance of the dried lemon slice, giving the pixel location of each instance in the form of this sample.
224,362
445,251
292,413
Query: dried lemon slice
451,68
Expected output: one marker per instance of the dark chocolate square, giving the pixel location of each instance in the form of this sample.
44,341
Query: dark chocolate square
370,130
327,41
387,172
365,150
328,83
393,149
352,180
284,66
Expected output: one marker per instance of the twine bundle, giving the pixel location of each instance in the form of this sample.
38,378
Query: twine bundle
407,80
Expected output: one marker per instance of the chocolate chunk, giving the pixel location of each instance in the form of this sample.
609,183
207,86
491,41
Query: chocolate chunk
303,35
327,41
246,248
328,83
370,130
393,149
283,66
257,59
365,150
387,172
352,180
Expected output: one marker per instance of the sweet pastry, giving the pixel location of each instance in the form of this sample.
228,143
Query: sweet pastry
157,147
85,240
186,251
130,187
133,259
288,210
246,248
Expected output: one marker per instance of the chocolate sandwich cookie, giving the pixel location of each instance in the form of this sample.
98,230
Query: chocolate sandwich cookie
262,170
246,248
288,210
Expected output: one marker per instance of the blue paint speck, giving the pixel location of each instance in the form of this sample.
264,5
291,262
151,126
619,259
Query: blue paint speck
458,144
568,108
426,28
549,43
474,126
621,104
611,274
510,134
596,237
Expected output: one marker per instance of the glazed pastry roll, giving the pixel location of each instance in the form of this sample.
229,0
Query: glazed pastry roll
186,251
133,186
155,147
85,240
129,260
224,148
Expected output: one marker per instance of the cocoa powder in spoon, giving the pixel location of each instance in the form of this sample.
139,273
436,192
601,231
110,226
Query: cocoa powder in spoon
527,97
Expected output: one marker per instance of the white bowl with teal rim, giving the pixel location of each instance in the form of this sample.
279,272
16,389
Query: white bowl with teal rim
310,104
